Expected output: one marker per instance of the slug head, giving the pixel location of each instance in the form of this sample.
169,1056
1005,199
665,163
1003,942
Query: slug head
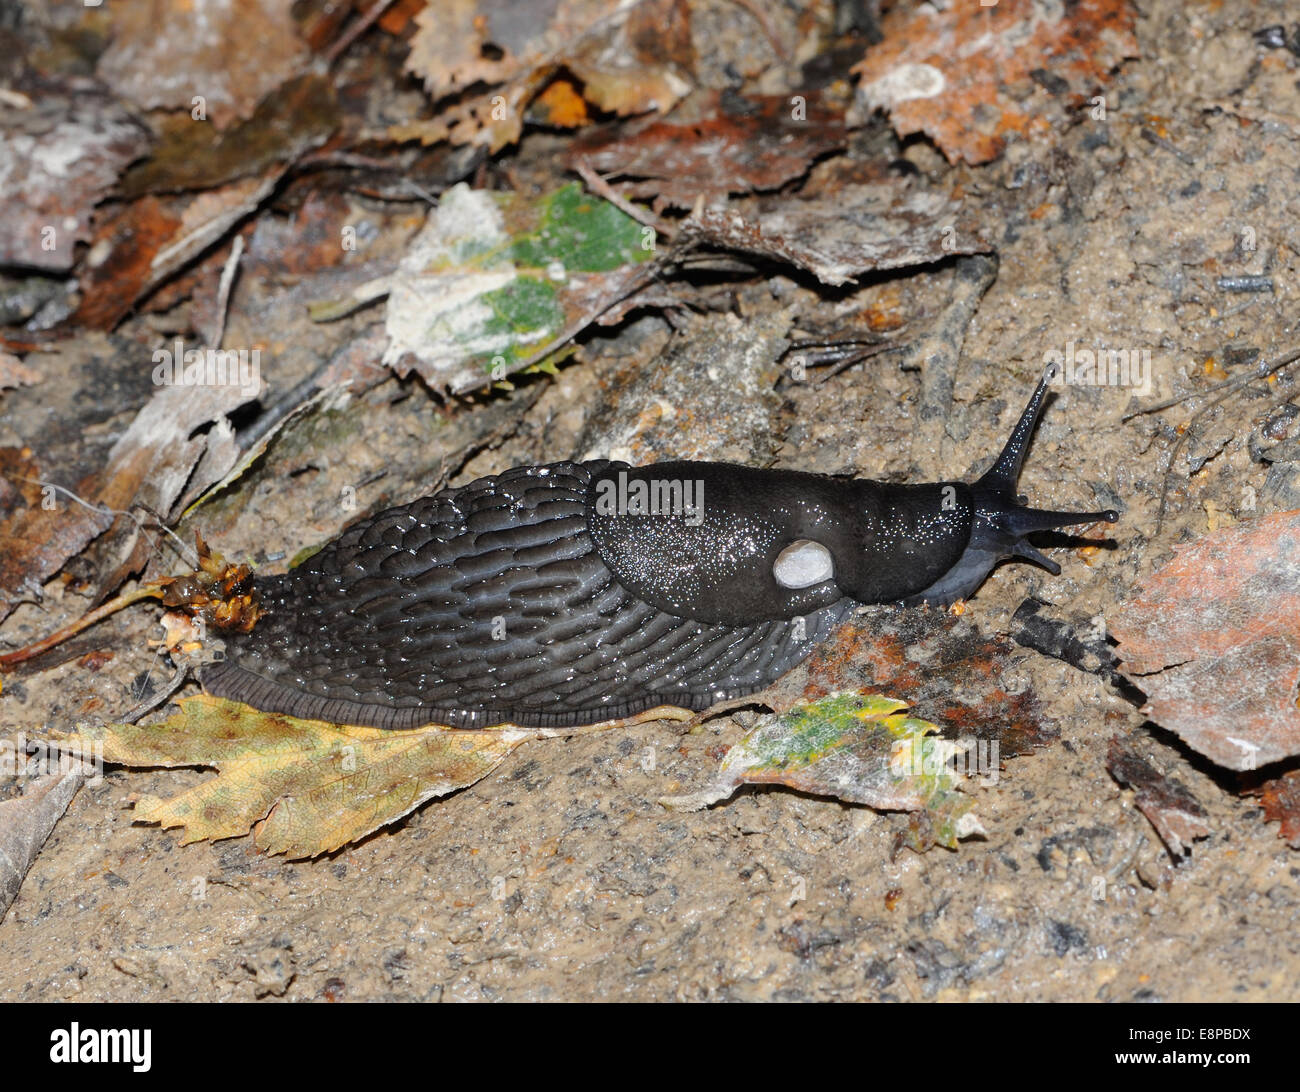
1002,519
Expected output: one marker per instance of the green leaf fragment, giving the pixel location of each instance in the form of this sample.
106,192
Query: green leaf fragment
524,312
583,233
855,747
493,277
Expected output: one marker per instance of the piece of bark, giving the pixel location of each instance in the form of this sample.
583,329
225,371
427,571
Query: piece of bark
1176,814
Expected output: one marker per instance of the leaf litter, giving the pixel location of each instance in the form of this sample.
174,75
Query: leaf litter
1214,642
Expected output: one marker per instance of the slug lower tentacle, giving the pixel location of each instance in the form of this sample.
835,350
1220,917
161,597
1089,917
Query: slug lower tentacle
572,593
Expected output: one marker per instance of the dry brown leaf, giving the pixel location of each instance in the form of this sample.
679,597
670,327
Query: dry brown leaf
190,155
132,237
36,542
631,58
158,454
206,220
1214,642
454,47
1281,800
1176,814
58,158
864,227
645,62
147,244
25,823
747,145
228,52
946,70
148,466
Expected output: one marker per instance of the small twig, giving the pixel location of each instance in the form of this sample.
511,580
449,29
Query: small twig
1261,371
104,510
1245,305
324,160
1228,388
839,356
858,358
419,191
358,28
12,659
187,553
601,188
1152,137
152,702
223,290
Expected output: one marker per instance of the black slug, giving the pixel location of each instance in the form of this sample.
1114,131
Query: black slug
571,593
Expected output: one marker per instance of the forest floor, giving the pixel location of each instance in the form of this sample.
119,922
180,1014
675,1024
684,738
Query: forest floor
560,875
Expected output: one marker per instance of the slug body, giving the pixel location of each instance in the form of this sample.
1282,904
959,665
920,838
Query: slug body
572,593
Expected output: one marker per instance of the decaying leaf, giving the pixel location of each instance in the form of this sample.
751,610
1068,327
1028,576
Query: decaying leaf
629,57
643,61
206,220
747,145
149,241
58,157
303,787
456,45
53,502
37,540
158,453
164,53
148,466
864,227
191,156
25,823
858,748
947,70
131,236
492,278
1176,814
967,682
1214,642
1280,797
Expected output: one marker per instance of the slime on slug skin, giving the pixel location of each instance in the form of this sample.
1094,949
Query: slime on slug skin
528,598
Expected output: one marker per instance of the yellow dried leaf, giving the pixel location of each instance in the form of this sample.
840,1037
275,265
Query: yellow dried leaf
304,787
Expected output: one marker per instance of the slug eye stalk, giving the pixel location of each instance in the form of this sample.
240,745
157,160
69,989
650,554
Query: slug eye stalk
1001,512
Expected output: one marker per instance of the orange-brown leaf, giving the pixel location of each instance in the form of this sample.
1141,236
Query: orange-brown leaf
945,71
1214,642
